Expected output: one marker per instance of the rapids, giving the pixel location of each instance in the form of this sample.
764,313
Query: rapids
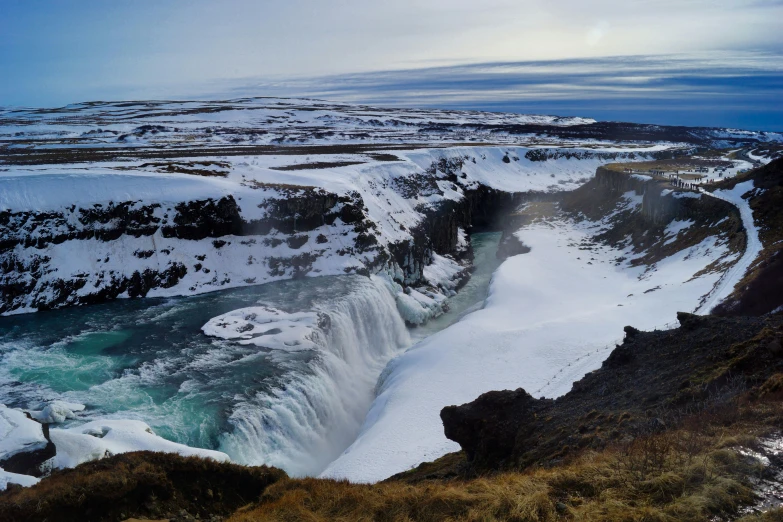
149,360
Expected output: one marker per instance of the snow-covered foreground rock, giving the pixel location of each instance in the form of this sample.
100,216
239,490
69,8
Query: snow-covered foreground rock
16,478
18,434
266,327
99,439
552,315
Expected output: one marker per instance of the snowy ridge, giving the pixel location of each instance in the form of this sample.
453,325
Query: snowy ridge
252,121
281,121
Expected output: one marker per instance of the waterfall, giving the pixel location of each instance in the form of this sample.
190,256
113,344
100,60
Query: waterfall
304,424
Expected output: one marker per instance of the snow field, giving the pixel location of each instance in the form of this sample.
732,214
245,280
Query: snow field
546,310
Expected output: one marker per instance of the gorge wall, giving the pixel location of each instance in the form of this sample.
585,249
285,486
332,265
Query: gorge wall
89,252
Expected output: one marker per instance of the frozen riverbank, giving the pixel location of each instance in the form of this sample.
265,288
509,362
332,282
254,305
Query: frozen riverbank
550,317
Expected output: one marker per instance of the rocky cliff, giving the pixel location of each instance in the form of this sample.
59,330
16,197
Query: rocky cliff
89,252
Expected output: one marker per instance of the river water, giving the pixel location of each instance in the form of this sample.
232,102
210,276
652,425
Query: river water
149,360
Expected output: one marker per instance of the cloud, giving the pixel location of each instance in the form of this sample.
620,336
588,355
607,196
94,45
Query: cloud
721,89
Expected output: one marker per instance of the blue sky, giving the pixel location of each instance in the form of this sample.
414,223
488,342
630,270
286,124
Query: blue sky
686,62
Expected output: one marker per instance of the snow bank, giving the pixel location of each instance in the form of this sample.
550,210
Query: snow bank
57,412
266,327
104,438
443,272
18,434
26,191
674,228
761,159
686,194
417,306
7,477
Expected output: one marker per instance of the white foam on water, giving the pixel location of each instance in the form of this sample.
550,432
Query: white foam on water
305,423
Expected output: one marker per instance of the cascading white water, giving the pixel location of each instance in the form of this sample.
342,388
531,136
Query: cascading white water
307,422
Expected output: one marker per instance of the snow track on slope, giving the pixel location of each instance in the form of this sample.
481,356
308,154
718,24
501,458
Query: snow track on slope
753,248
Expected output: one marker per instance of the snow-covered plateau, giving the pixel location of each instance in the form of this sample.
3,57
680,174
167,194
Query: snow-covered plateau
108,201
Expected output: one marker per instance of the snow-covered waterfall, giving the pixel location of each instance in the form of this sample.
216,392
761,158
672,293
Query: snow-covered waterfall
305,423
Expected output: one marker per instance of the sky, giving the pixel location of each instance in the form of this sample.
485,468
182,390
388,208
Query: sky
685,62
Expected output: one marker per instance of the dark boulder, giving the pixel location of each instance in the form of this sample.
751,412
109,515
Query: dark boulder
488,427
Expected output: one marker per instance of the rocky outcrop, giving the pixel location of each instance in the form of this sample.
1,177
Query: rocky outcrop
554,154
647,383
660,203
510,245
481,208
488,427
30,279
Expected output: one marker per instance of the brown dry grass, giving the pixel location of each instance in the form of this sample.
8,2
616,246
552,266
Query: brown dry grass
141,484
684,475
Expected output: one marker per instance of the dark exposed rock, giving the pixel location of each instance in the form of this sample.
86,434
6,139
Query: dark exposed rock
39,229
480,209
487,427
204,219
294,267
296,242
630,332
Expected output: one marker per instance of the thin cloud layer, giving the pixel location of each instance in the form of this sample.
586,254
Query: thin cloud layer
710,89
540,55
